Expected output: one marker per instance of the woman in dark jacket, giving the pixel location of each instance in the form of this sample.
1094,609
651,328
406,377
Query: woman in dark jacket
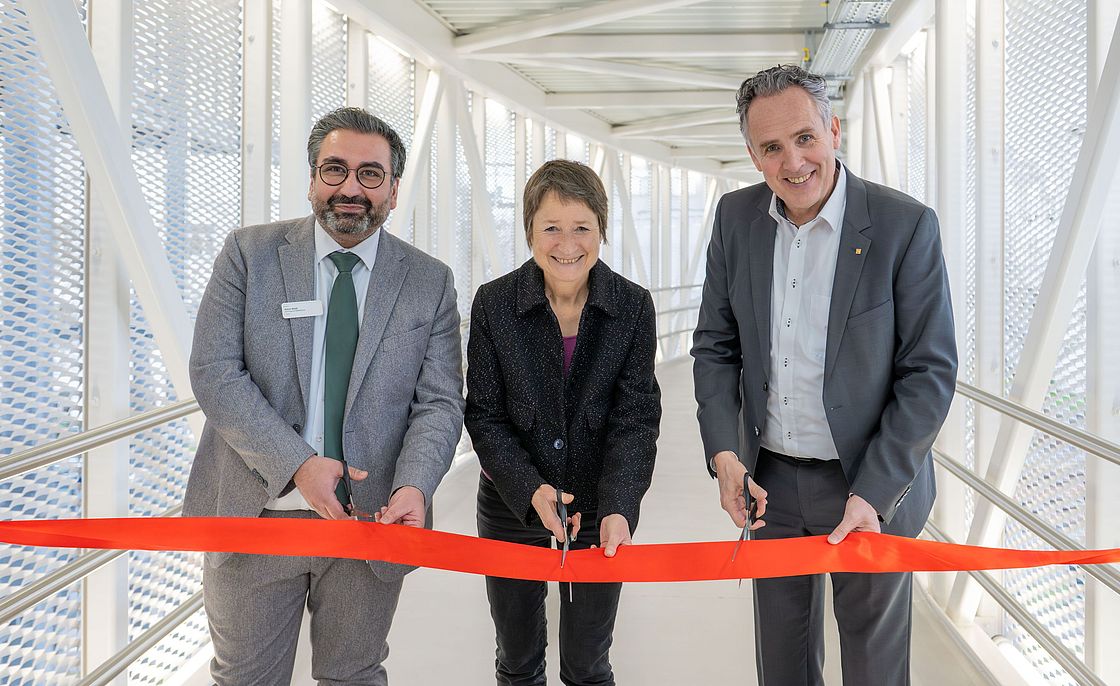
561,394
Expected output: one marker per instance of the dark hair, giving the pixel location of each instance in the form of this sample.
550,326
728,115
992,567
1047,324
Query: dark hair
572,181
775,80
356,119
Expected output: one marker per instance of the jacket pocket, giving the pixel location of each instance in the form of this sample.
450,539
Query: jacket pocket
403,340
880,311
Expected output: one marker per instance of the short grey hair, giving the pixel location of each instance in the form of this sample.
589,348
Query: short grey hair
775,80
356,119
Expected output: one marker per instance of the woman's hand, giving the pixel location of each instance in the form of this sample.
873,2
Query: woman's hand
614,531
544,502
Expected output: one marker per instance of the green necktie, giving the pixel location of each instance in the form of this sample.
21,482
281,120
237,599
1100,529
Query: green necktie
341,339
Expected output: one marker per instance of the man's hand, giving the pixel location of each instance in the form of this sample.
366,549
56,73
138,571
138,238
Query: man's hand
729,473
544,502
406,506
858,516
614,531
316,479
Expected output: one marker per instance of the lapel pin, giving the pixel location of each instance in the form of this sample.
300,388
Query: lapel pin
859,251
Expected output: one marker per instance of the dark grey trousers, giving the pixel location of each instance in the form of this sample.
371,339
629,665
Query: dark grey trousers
517,607
254,604
872,610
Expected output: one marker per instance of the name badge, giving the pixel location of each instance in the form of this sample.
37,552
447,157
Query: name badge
302,308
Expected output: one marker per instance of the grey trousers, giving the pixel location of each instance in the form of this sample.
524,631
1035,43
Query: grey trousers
254,604
872,610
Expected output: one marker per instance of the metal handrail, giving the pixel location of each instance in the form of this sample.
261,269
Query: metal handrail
675,288
31,595
1089,442
1105,574
64,448
109,669
676,333
684,308
1061,654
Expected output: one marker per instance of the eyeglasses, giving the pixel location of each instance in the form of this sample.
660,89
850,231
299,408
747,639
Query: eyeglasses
334,174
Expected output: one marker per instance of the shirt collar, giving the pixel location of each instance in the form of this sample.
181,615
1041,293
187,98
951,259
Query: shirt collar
833,211
325,245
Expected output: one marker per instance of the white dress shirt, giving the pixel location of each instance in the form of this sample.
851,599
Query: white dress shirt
804,267
325,271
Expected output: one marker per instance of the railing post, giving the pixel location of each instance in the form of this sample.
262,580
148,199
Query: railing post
105,469
1102,481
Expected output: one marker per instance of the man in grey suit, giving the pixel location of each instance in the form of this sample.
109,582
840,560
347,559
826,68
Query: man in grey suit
824,367
296,382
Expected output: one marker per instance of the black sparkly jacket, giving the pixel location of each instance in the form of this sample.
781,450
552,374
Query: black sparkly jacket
593,434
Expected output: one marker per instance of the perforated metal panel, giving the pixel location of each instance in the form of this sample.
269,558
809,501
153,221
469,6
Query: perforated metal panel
612,252
391,92
465,281
577,149
916,119
549,144
531,164
1045,114
42,277
328,60
433,180
676,190
500,183
967,368
697,232
274,65
641,205
186,140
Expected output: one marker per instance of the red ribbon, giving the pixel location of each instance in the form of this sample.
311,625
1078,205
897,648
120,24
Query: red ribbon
860,552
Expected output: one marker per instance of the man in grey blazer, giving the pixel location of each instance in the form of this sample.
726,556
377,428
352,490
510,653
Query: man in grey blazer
824,367
322,339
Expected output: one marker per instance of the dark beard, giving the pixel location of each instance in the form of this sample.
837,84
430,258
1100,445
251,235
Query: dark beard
349,224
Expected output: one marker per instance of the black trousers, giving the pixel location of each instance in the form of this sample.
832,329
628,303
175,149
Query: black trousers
872,610
517,606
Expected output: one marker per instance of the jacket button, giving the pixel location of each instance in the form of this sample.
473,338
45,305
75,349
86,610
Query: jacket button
765,386
757,432
298,428
558,444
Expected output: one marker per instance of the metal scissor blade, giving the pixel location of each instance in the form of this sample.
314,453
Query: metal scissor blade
739,543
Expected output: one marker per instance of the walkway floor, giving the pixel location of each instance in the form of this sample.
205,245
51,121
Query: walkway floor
689,634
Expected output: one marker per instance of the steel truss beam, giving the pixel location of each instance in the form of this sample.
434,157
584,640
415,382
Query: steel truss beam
770,46
571,20
646,127
686,77
595,100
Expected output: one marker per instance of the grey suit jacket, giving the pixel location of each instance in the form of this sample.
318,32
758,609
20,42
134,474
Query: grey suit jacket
250,371
890,355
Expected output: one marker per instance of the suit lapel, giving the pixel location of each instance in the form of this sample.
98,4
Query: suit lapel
849,266
297,265
385,282
761,246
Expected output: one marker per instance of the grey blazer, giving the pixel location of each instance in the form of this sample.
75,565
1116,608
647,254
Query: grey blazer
250,371
890,356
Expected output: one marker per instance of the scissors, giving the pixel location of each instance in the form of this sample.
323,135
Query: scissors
562,512
752,505
348,506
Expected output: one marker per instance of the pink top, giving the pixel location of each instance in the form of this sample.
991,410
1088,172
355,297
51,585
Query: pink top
569,349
